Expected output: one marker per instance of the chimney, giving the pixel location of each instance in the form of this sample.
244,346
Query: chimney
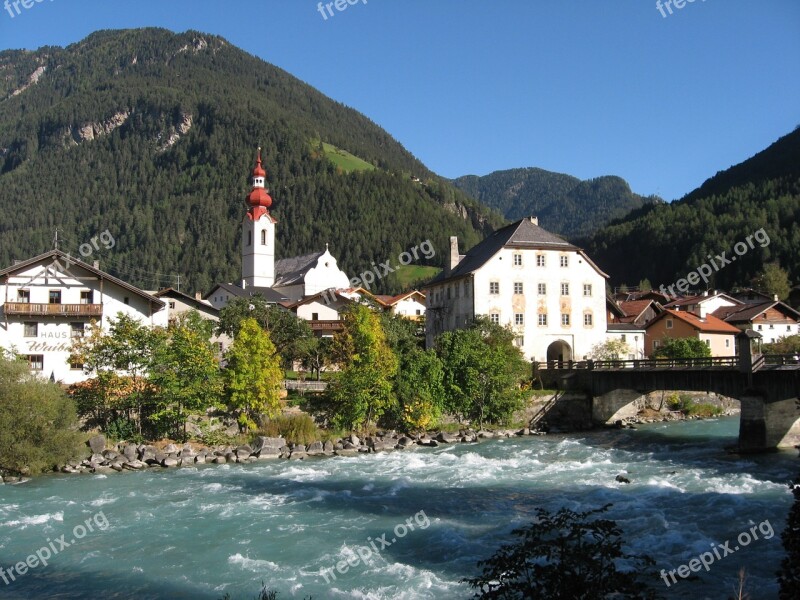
775,298
198,295
455,258
535,220
96,264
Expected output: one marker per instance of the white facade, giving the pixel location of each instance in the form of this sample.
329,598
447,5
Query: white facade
634,338
411,307
324,274
549,293
51,299
258,251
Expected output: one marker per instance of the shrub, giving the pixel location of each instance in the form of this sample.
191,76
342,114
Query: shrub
297,429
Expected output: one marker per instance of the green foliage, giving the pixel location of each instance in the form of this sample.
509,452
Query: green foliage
295,428
213,436
789,344
186,374
611,350
122,428
253,375
762,192
419,388
315,354
564,556
564,204
686,404
288,333
789,574
187,213
774,281
482,372
363,389
38,422
344,161
682,348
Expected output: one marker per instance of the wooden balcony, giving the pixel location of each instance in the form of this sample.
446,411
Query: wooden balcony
329,327
24,309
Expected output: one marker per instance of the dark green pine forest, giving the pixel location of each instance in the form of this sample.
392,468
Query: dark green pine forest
663,242
152,136
564,204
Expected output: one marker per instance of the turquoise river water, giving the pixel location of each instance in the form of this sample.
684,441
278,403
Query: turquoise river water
202,532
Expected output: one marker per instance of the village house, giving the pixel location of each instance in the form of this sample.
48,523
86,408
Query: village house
547,290
719,336
410,305
773,320
179,303
52,298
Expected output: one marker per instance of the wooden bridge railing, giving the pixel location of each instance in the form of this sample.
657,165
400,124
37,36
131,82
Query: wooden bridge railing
716,362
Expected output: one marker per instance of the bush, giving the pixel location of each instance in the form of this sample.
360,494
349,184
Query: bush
685,404
38,422
297,429
564,555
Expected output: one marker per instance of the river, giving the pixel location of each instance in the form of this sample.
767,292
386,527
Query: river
201,532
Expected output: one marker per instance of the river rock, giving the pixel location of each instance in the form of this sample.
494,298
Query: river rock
271,444
328,447
485,434
200,459
102,470
133,465
353,439
622,479
116,465
169,462
404,442
70,470
219,460
232,430
130,452
446,438
170,449
97,459
346,452
315,448
97,443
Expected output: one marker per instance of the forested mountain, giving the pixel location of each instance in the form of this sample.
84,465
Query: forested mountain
564,204
152,135
667,241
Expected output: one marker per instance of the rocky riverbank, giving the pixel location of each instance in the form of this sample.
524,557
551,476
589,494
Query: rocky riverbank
133,457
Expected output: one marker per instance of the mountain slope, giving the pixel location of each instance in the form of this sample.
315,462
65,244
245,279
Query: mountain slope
564,204
152,135
666,242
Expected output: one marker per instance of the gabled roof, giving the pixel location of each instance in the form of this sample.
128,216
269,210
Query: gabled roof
710,324
748,312
328,294
614,307
522,234
68,261
269,294
635,308
690,300
617,326
389,301
290,271
191,300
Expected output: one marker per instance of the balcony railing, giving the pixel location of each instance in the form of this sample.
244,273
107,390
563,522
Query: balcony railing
24,309
317,325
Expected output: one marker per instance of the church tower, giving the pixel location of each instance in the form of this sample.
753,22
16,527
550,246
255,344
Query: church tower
258,234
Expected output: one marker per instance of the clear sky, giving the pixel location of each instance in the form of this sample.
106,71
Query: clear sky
585,87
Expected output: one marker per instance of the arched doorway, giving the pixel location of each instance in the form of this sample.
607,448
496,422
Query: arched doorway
559,351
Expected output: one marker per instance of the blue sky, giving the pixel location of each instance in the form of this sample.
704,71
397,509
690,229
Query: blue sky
582,87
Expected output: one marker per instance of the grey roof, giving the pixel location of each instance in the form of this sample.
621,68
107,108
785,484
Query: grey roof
71,260
173,293
290,271
616,326
521,234
269,294
748,312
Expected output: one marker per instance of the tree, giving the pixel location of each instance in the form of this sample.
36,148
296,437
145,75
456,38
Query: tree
315,353
611,350
361,392
185,372
253,375
38,424
285,329
645,285
789,574
127,349
419,387
789,344
682,348
563,556
773,280
483,369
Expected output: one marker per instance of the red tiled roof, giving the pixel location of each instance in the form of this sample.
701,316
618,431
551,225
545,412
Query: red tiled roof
710,324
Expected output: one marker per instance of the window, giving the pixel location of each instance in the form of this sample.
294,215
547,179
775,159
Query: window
519,341
761,328
623,337
36,362
708,342
23,296
263,237
565,261
540,260
249,238
494,317
419,312
771,326
55,296
543,320
788,328
126,300
669,323
315,316
518,287
565,319
727,343
494,287
76,365
77,330
542,289
518,260
87,297
31,330
565,289
519,319
172,305
587,320
587,289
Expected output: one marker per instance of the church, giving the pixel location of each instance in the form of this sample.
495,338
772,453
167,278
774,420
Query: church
286,281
